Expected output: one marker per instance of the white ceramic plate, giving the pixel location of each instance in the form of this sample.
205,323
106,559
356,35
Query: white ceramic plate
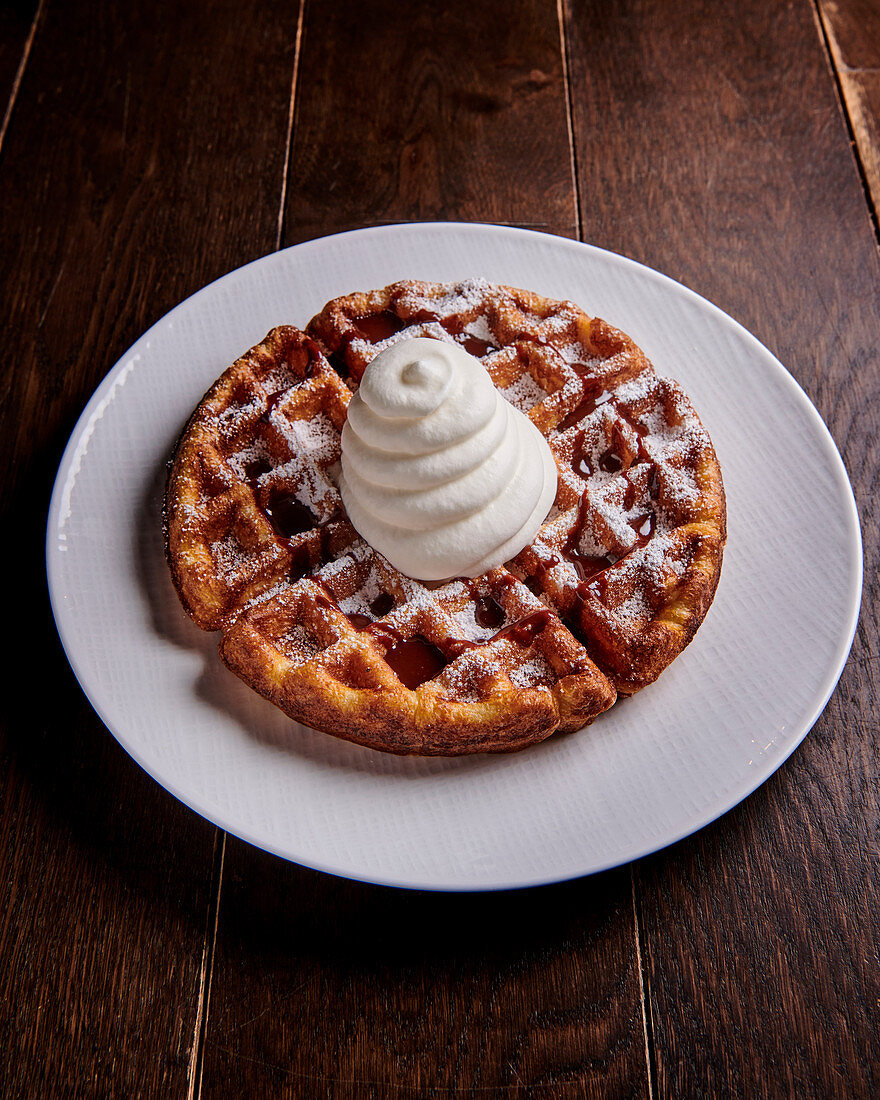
658,766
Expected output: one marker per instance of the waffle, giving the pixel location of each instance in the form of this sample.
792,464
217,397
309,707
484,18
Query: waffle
612,588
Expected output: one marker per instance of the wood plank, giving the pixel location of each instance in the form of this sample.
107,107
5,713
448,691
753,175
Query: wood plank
762,931
128,182
468,120
329,988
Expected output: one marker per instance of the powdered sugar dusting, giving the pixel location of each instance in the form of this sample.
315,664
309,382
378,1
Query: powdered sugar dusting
237,418
575,353
314,447
467,627
229,555
629,509
298,644
535,670
468,296
248,457
360,601
428,329
524,393
479,329
315,437
470,676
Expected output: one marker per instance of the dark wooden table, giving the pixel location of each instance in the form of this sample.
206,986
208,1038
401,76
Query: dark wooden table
150,147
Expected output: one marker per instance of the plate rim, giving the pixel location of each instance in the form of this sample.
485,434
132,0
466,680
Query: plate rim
713,811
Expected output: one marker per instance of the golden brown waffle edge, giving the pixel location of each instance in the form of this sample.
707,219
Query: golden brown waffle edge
611,590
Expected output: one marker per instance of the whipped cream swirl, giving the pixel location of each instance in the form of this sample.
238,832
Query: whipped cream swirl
440,473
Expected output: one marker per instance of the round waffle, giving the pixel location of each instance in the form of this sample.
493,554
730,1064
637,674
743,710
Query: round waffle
611,589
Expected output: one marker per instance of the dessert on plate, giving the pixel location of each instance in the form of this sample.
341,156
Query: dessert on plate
446,518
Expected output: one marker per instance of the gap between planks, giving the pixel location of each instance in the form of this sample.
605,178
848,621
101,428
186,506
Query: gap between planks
569,116
212,922
647,1015
638,931
288,143
838,73
19,73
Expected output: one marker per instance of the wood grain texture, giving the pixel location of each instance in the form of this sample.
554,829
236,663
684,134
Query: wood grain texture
333,989
128,182
466,122
852,30
855,26
325,988
709,143
861,92
761,932
16,29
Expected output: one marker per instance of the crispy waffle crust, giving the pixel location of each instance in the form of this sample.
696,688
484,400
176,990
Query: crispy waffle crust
612,588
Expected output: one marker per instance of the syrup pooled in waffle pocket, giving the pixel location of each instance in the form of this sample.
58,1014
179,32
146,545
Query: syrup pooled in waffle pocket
589,599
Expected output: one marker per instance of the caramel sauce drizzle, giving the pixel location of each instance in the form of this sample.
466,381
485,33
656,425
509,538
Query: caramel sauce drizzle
588,405
417,659
379,326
